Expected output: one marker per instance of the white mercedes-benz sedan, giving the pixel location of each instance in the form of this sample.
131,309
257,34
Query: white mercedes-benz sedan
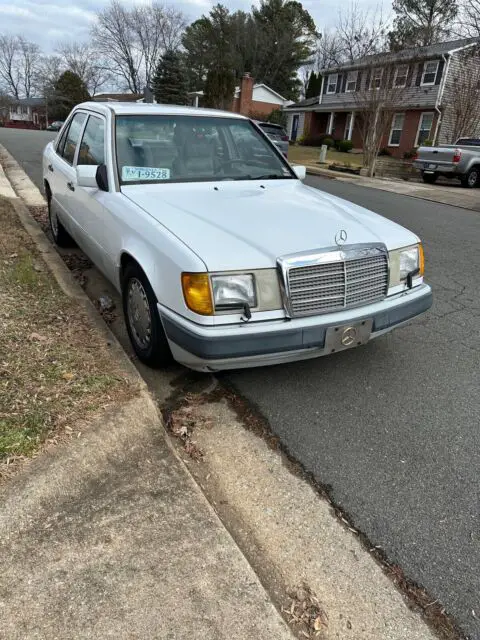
223,257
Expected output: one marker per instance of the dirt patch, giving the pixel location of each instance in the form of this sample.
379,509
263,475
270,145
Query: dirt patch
55,368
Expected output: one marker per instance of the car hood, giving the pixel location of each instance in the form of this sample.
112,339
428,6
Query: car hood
237,225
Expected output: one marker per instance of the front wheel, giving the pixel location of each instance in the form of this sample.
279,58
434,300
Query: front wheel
430,178
471,178
142,319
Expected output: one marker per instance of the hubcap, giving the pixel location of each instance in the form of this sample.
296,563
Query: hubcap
138,311
473,178
53,221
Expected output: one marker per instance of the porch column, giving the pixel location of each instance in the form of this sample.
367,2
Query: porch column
352,123
331,119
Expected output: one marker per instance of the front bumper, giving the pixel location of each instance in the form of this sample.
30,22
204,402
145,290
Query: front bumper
213,348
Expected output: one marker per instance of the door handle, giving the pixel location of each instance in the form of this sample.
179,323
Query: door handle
50,167
70,186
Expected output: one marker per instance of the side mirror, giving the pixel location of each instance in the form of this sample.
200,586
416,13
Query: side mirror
86,175
101,177
300,172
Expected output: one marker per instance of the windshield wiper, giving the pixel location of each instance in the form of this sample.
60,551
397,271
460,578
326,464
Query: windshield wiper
269,176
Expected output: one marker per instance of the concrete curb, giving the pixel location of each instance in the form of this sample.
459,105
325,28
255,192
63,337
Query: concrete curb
250,594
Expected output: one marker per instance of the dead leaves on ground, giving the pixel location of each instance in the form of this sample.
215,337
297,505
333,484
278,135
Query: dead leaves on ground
182,421
305,614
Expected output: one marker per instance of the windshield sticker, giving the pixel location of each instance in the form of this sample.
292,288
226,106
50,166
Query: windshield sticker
134,174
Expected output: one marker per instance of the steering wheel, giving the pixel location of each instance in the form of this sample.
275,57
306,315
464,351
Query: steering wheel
227,163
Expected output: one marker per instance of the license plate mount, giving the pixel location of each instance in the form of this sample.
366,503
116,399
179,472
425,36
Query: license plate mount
347,336
430,166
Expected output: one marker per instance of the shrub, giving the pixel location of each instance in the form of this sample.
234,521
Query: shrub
427,143
344,146
409,155
385,152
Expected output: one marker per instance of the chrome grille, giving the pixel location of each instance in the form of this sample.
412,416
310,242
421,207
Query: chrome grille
332,286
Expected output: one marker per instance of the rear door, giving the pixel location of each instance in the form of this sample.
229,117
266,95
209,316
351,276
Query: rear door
90,211
62,172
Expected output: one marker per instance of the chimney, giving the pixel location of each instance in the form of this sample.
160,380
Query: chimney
246,95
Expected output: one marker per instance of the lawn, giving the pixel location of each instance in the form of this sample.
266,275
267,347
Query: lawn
298,154
55,368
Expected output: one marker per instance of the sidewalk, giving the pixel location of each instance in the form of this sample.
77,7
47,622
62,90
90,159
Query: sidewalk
105,534
444,194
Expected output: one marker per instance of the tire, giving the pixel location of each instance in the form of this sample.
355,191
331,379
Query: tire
142,320
471,179
60,235
430,178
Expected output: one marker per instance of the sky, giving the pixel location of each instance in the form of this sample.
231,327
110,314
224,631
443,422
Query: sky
48,22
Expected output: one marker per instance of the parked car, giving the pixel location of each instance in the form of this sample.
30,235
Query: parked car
223,258
460,160
277,135
55,126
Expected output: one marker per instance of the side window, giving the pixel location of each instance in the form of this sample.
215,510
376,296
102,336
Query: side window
68,151
92,147
61,142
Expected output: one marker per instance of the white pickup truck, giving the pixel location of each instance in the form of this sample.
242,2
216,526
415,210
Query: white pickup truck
460,160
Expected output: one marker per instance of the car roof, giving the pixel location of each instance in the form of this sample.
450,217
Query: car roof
142,108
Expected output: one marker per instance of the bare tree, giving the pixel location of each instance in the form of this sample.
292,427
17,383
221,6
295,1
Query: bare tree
81,59
29,61
360,33
134,39
115,39
157,29
376,103
464,107
469,24
49,71
5,103
9,65
330,51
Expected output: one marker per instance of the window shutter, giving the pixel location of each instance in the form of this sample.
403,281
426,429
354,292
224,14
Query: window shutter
344,82
339,83
419,74
411,68
439,72
369,75
359,81
325,84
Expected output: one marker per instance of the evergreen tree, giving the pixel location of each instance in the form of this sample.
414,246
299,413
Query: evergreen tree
419,23
169,81
219,88
68,91
314,85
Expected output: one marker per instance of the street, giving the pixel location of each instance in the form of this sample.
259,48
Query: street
391,430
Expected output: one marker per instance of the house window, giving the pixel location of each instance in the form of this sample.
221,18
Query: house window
376,81
396,130
332,83
424,128
401,74
429,73
351,81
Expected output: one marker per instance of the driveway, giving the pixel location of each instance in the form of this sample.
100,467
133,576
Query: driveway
391,429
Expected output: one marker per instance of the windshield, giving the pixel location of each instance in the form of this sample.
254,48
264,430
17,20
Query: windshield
153,148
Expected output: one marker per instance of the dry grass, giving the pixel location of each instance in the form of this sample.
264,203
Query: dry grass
55,367
309,155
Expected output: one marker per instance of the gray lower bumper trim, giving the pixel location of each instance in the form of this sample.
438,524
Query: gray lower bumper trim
251,345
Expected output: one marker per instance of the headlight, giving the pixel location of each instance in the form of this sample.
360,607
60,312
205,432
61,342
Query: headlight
233,291
406,261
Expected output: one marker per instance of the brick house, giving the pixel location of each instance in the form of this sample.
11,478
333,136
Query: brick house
424,81
26,113
250,99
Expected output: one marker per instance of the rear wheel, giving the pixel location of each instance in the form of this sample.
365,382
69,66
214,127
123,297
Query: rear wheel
60,235
471,179
142,319
430,178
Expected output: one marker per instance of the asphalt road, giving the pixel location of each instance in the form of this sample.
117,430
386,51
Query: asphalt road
391,428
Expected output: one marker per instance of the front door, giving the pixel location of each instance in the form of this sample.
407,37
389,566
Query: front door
293,135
